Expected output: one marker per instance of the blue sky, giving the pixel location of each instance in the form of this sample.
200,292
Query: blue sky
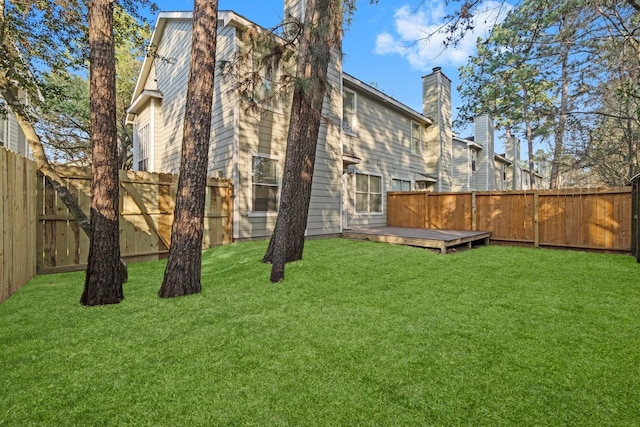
384,46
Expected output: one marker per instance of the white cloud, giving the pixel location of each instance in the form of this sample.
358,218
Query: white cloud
419,35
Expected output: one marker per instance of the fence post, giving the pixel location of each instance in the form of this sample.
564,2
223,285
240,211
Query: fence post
635,217
474,219
536,220
425,210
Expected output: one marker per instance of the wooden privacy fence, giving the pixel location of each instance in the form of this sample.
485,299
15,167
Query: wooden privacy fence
18,219
570,218
147,201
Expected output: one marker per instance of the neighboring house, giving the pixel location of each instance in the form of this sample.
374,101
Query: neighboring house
503,167
539,181
477,167
369,143
11,135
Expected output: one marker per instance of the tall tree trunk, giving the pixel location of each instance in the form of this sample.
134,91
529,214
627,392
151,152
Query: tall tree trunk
529,133
103,282
562,116
182,275
322,31
10,93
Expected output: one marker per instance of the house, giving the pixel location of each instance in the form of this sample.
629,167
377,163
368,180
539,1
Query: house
11,135
369,142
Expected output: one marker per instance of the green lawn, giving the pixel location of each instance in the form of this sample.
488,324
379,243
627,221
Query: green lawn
359,333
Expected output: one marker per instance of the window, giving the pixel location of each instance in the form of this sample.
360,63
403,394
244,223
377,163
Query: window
474,160
501,176
400,185
264,82
3,130
416,138
368,193
4,122
264,184
349,111
143,148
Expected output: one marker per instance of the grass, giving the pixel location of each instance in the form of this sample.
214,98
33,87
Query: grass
359,333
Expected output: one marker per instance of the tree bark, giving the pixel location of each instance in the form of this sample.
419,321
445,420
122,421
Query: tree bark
322,31
10,93
182,274
564,107
103,282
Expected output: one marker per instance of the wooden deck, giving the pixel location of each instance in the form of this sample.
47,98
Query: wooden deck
420,237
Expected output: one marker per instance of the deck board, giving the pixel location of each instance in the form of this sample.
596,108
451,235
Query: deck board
442,240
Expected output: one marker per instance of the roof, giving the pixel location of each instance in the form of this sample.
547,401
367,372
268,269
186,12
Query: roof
469,141
354,83
502,158
226,18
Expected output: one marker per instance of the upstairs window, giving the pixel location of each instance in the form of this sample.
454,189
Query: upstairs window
349,111
143,148
264,184
368,193
264,86
4,124
416,138
474,160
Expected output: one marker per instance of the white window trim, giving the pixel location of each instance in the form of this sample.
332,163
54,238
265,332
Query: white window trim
354,127
252,213
355,194
473,163
419,152
152,139
4,131
139,147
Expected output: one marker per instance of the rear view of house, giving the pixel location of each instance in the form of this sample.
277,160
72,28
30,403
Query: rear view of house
369,142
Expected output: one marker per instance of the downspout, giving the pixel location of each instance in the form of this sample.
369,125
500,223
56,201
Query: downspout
152,137
487,169
235,172
439,96
469,168
343,178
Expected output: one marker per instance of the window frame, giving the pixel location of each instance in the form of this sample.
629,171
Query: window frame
144,147
401,180
353,126
263,91
4,125
278,185
474,160
369,193
416,151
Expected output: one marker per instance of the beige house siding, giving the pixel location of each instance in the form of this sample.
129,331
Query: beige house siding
262,133
325,205
269,129
462,178
382,142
